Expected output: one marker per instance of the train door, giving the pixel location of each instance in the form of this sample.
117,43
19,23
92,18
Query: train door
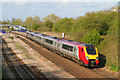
55,44
58,46
43,40
75,52
81,53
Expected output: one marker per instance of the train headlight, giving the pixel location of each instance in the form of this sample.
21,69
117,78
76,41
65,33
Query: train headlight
87,58
97,58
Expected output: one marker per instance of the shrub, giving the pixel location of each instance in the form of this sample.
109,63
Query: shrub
11,37
11,29
92,38
114,67
43,29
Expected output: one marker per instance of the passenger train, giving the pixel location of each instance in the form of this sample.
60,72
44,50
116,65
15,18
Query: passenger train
84,54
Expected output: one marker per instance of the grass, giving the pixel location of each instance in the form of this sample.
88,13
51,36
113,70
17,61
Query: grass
11,37
28,56
114,68
21,48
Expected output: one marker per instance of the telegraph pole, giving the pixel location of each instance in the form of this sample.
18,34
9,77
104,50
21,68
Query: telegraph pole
31,27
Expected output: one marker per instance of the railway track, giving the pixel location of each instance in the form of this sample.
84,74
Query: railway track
77,70
19,69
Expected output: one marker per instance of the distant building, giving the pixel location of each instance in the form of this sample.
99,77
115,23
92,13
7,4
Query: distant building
115,9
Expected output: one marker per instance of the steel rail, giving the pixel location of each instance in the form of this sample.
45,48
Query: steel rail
13,66
20,65
24,67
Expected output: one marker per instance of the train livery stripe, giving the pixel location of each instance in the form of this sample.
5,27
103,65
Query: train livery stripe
82,56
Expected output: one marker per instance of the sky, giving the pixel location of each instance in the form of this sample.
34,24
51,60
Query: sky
62,8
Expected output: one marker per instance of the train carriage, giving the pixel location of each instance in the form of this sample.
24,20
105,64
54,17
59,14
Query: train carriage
39,38
28,34
51,42
65,48
32,35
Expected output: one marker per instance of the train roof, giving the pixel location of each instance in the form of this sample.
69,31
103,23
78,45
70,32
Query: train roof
60,39
32,32
40,34
74,42
51,37
28,31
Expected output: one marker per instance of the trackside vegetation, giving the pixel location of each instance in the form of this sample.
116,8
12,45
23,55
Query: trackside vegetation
98,28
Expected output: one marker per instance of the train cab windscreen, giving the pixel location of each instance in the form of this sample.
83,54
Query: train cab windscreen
91,49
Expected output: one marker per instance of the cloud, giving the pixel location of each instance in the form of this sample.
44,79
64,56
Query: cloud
21,2
17,2
64,1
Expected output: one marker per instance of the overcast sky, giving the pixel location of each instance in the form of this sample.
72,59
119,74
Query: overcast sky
64,8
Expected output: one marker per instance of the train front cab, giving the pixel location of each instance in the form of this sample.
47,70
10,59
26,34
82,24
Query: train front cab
88,54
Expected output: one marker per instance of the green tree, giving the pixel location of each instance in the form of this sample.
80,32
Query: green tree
5,22
51,17
64,25
16,21
36,19
11,29
92,38
13,20
49,24
28,20
32,21
35,26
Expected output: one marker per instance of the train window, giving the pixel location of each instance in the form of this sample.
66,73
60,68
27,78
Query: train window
38,37
67,47
32,34
70,48
82,50
64,47
91,49
49,41
36,33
